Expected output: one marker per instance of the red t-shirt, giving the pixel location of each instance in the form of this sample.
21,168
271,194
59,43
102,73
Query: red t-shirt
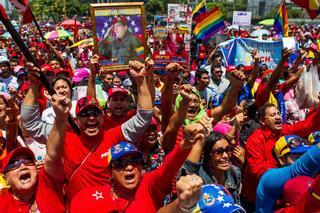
109,122
149,197
86,160
49,197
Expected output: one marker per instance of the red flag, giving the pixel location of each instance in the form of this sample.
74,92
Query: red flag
310,6
75,32
24,10
3,12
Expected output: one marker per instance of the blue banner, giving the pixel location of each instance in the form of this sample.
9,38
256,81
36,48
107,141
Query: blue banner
237,51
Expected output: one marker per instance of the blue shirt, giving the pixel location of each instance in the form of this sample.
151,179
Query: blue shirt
271,184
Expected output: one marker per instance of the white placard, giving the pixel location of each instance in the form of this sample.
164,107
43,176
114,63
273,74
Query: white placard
289,42
241,18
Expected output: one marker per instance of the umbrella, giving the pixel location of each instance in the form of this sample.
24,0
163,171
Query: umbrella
267,22
260,32
70,22
6,35
57,34
84,41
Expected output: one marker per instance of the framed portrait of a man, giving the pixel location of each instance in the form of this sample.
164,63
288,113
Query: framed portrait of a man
119,33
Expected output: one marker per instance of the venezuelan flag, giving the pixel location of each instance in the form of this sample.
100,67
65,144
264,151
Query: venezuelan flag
209,25
280,24
199,11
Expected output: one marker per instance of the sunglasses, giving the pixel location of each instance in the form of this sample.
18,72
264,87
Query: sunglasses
121,164
17,163
90,112
295,142
316,135
219,151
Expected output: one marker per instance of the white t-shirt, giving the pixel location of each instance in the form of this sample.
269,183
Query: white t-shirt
48,114
38,149
10,82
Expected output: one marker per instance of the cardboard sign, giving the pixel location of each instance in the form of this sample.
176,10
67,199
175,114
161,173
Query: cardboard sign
241,18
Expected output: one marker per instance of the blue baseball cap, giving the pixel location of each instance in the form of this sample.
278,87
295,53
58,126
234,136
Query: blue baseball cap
121,149
291,144
216,199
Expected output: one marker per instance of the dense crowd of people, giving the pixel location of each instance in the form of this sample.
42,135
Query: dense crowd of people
209,138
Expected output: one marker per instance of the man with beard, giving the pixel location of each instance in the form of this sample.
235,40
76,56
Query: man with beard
124,46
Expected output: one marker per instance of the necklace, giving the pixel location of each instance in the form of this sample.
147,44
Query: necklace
115,196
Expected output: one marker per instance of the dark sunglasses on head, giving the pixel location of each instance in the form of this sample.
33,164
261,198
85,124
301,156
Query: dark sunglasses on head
295,142
17,163
316,135
219,151
90,112
121,164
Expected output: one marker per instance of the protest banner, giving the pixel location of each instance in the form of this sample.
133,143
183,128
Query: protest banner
119,32
241,18
237,51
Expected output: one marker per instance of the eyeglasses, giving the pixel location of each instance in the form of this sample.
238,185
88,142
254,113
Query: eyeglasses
90,112
121,164
17,163
219,151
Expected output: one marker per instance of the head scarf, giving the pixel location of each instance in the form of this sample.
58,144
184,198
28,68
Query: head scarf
200,114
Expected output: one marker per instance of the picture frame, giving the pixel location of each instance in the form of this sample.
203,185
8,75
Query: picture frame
119,33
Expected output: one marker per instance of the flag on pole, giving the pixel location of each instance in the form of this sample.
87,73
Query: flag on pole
280,24
199,11
3,12
24,10
209,25
312,7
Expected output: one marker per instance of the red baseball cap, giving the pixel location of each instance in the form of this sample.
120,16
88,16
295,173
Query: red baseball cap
117,90
16,152
247,68
296,188
86,102
120,19
63,72
47,68
230,68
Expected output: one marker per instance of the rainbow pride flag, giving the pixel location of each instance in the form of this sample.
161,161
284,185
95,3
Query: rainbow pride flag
280,24
199,11
209,25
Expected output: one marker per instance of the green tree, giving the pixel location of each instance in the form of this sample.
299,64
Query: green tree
154,7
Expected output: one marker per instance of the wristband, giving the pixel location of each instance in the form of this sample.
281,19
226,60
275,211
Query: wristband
313,193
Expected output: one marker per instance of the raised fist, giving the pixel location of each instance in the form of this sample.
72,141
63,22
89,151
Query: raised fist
94,65
137,69
189,190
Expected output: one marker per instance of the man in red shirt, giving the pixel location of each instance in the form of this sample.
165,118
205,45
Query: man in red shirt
117,112
29,191
130,190
259,146
85,155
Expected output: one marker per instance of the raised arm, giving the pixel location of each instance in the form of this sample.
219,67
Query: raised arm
54,51
167,94
176,120
12,125
255,71
149,63
135,127
53,160
188,193
262,96
236,80
94,68
30,115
